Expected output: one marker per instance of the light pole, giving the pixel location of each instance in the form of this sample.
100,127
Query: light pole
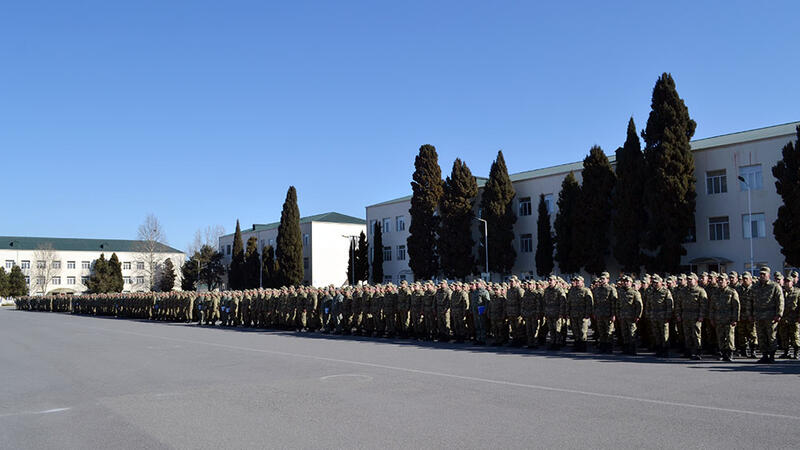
352,238
485,241
261,268
749,219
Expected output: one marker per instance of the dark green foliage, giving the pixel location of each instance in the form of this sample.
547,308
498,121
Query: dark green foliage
567,240
628,212
269,268
455,242
211,268
236,276
99,279
544,245
289,253
167,281
787,183
423,256
598,185
3,283
252,264
498,211
16,283
351,255
189,273
669,191
115,282
362,258
377,254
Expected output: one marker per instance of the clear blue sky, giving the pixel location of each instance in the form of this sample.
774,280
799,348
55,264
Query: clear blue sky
203,112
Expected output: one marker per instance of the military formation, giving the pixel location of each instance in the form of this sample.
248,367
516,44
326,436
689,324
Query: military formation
723,315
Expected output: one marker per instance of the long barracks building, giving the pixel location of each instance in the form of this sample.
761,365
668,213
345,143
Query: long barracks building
725,227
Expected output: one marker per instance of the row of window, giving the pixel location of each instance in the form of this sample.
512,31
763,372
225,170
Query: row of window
56,280
386,224
26,264
401,253
526,207
717,180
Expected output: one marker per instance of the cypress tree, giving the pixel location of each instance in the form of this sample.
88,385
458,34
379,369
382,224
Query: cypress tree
211,267
423,257
598,185
16,283
269,268
351,261
115,282
377,254
456,211
98,280
167,281
3,283
497,210
362,258
189,273
544,245
566,217
289,253
628,213
236,269
669,190
252,264
787,183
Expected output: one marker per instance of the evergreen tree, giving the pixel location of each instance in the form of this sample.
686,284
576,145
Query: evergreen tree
544,245
669,190
236,276
189,273
16,283
290,245
455,242
377,254
423,257
211,267
115,282
252,264
787,183
269,267
3,283
628,213
566,217
598,186
351,262
99,279
362,258
167,281
498,211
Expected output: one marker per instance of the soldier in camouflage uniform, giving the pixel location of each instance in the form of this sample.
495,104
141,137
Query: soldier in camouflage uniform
479,301
529,309
459,304
514,312
767,312
790,335
580,305
443,295
724,314
630,311
659,312
555,311
605,312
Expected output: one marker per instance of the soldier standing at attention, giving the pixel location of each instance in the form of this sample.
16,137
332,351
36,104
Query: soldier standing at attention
724,316
429,311
605,312
580,305
459,303
529,310
691,314
555,311
630,311
497,314
479,302
767,311
513,311
790,335
443,311
747,325
659,313
403,309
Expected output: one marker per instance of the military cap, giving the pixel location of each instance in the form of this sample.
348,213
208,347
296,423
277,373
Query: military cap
693,276
793,274
682,276
778,276
764,269
625,278
577,278
647,277
656,278
672,278
733,274
552,278
747,275
704,274
713,274
605,275
722,276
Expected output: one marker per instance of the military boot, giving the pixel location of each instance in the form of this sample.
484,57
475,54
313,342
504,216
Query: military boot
785,354
796,353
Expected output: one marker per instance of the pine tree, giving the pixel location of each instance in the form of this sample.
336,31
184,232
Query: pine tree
568,210
252,264
189,273
17,287
351,262
669,191
787,183
362,258
377,254
498,211
268,267
544,245
3,283
290,245
167,281
236,269
455,242
597,188
628,213
211,267
423,257
114,282
98,280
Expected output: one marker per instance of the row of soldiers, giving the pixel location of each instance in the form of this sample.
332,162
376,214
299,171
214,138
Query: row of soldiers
721,313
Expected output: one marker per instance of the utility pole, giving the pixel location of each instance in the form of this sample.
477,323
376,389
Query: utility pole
749,219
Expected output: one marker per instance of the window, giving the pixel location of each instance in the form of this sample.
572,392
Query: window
401,252
372,226
548,200
24,264
70,280
305,263
526,243
85,264
55,264
57,280
386,224
228,249
525,206
387,279
387,253
305,240
400,223
692,235
40,281
139,280
28,280
84,280
402,277
126,265
9,264
753,226
716,182
127,280
70,264
41,264
719,229
752,175
140,264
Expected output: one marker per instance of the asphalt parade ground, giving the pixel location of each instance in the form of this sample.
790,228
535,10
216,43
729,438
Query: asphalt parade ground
89,383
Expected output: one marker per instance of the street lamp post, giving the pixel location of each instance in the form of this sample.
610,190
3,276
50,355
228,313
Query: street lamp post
485,241
749,219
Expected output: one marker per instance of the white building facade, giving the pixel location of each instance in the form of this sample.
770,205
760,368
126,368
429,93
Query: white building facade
726,224
64,265
326,245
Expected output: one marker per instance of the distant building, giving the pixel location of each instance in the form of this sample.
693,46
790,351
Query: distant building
722,236
63,265
326,246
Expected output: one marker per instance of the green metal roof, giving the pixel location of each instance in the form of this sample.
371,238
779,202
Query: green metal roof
332,217
77,245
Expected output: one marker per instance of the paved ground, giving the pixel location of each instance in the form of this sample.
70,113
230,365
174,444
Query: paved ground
85,382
